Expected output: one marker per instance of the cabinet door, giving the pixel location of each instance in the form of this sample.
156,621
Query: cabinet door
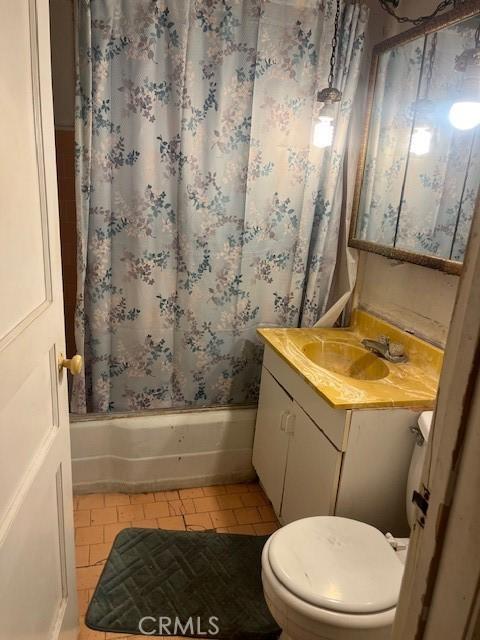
313,469
271,439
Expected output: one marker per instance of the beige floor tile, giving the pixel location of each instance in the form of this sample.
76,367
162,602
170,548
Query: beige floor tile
229,502
242,528
198,521
237,488
268,514
253,499
157,510
82,555
216,490
196,492
91,501
112,530
82,518
127,513
87,577
202,505
172,523
248,515
163,496
141,498
265,528
224,518
83,599
89,634
88,535
217,508
99,552
179,507
107,515
151,523
116,499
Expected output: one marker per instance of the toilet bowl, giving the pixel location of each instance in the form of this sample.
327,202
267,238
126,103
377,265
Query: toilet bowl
333,578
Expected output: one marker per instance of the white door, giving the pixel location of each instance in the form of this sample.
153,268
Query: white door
270,446
37,581
313,470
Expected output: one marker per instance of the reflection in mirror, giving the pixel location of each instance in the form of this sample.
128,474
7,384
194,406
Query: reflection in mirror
421,172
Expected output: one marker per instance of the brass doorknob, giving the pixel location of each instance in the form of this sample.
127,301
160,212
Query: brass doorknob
74,364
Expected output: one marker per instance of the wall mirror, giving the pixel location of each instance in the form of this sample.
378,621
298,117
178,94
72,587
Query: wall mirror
419,172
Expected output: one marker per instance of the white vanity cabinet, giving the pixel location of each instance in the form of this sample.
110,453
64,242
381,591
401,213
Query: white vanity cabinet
313,459
271,438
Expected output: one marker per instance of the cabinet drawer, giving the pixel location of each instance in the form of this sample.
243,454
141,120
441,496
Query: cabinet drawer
333,422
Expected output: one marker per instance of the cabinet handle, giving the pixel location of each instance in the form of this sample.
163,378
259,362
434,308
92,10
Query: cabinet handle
282,421
290,423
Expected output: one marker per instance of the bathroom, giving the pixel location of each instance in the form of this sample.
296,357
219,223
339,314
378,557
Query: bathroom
251,303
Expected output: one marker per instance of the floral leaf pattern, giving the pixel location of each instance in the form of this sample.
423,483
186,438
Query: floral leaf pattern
203,210
420,203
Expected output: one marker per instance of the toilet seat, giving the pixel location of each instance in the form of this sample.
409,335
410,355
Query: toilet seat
290,611
337,565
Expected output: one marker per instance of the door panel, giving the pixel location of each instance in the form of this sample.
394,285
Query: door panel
270,446
313,469
37,538
37,575
23,234
21,434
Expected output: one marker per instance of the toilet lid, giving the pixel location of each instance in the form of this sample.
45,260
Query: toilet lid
337,564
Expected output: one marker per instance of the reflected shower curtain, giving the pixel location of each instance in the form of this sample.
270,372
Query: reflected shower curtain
203,210
443,183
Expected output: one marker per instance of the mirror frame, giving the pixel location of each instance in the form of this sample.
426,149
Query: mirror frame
468,9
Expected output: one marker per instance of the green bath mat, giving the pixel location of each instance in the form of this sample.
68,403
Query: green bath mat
178,583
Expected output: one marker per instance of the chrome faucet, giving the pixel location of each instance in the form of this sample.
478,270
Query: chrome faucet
392,351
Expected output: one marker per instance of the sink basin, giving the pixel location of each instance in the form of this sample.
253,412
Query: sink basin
346,359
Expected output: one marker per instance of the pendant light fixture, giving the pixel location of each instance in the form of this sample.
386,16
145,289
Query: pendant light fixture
464,114
423,109
324,127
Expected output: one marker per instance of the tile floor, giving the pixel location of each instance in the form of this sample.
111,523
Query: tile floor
235,508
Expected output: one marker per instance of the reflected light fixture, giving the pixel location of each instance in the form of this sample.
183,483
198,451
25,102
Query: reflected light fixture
464,114
421,140
422,131
324,127
423,111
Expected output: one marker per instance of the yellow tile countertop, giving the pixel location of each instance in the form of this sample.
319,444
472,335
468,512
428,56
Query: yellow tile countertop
353,378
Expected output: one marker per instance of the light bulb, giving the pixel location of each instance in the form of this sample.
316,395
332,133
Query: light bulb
421,139
323,132
465,115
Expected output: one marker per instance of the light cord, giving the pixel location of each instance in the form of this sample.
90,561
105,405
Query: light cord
421,19
334,47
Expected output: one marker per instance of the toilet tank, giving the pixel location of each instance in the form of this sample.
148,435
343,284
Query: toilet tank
416,464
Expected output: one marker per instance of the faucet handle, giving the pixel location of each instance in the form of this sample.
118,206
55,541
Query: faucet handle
396,349
384,340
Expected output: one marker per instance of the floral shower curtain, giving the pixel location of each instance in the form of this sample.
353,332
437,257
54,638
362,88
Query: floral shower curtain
203,210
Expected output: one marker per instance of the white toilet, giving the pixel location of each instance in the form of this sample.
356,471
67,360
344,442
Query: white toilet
332,578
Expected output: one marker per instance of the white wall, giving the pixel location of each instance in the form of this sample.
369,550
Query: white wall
415,298
63,66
